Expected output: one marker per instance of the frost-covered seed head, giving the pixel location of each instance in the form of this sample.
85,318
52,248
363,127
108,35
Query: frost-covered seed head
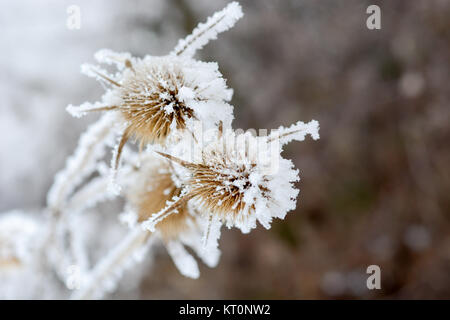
149,193
233,183
159,95
241,178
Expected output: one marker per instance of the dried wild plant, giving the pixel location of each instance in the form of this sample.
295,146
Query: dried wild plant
166,104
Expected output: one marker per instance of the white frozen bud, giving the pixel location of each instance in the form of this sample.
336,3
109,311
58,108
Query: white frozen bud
185,94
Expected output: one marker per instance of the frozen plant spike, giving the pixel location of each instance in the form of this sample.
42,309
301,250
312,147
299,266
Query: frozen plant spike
221,21
297,131
121,60
176,160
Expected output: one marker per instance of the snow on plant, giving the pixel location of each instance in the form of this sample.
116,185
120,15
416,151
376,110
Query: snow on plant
167,104
240,179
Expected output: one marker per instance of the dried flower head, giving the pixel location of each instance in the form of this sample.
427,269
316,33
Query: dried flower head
148,191
164,94
242,178
150,188
157,96
160,96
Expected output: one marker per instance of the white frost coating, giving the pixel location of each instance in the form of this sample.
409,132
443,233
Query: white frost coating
83,109
221,21
297,131
82,162
186,94
105,276
128,218
185,263
97,73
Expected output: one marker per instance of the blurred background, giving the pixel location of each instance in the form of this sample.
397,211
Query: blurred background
375,188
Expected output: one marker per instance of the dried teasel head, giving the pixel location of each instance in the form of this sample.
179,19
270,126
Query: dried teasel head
242,179
151,188
160,97
150,191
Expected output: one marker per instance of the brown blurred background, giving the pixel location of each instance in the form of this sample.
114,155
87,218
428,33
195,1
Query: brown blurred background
374,189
